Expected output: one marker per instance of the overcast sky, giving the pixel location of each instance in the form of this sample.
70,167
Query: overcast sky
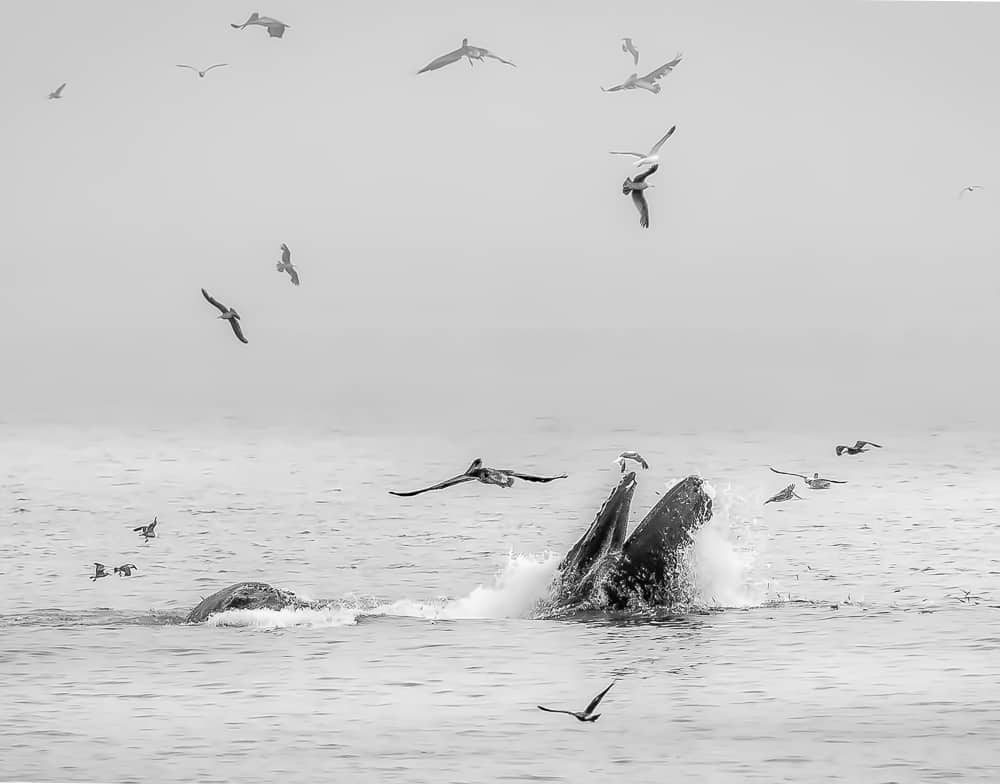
465,248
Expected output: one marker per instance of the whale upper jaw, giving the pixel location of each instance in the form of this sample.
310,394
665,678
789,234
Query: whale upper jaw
245,596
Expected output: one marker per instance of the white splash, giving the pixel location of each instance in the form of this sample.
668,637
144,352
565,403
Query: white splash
329,616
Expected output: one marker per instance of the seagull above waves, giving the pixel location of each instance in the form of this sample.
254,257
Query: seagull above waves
588,713
275,29
647,82
470,52
125,570
98,572
488,476
147,532
57,93
285,265
630,456
201,74
816,482
653,156
229,315
629,48
637,186
785,495
857,449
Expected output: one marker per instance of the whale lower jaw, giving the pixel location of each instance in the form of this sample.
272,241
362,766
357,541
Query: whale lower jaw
246,596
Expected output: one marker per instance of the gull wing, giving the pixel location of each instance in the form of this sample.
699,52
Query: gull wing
787,473
286,254
636,154
487,53
615,88
532,477
217,65
597,700
861,444
293,274
642,177
628,46
98,565
237,329
835,481
152,525
659,144
640,204
222,308
187,66
443,60
556,710
253,18
662,71
455,480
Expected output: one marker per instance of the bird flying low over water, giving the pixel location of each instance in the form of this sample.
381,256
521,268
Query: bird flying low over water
275,29
285,265
637,186
98,571
488,476
125,570
647,82
653,156
630,456
229,315
629,48
470,52
147,532
588,713
858,448
816,482
57,93
785,495
201,74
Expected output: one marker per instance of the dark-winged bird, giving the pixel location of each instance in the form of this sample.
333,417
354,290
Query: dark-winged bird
125,570
636,186
488,476
785,495
857,449
147,532
470,52
588,714
285,265
99,571
275,29
57,93
816,482
229,315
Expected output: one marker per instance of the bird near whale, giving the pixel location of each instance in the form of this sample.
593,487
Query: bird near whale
477,472
587,714
816,482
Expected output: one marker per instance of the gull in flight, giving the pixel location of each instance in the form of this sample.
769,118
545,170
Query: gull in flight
629,48
125,570
147,532
98,572
857,449
647,82
488,476
785,495
585,715
285,265
653,156
275,29
57,93
229,315
816,482
630,456
470,52
636,186
201,74
961,193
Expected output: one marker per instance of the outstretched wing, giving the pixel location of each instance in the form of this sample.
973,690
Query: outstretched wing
222,308
786,473
597,700
556,710
217,65
861,444
640,204
191,67
497,57
835,481
642,177
443,60
532,477
253,18
59,89
613,89
636,154
455,480
237,329
293,274
98,565
152,525
662,71
659,144
629,47
286,254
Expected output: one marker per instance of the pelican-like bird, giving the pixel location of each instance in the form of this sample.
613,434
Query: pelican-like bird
488,476
147,532
229,315
785,495
57,93
470,52
636,186
588,713
275,29
125,570
98,572
630,456
629,48
653,156
647,82
285,265
857,449
816,482
961,193
201,74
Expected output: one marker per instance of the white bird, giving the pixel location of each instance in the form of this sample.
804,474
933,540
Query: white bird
647,82
653,156
57,93
629,48
961,193
201,74
636,186
470,52
275,29
229,315
816,482
285,265
630,456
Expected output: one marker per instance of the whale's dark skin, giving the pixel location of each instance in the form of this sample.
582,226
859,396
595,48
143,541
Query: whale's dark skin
245,596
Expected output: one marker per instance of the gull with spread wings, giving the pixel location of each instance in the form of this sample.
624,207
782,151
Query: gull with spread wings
653,156
228,314
787,494
857,449
470,52
630,456
275,29
629,48
201,74
147,532
477,472
637,186
647,82
816,482
285,265
585,715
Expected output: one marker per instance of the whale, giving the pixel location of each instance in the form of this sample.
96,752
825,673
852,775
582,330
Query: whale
246,596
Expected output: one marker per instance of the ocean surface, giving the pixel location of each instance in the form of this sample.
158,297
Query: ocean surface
851,636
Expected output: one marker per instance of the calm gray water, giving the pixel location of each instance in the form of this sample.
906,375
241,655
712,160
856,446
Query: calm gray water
832,640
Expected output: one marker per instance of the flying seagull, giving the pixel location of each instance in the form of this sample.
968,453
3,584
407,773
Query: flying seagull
647,82
275,29
147,532
125,570
488,476
98,572
229,315
653,156
961,193
202,73
57,93
816,482
588,714
636,186
285,265
785,495
470,52
630,456
858,448
629,48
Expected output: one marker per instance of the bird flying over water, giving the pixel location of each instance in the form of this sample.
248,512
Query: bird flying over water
653,156
125,570
147,532
201,74
858,448
488,476
470,52
961,193
57,93
816,482
229,315
275,29
636,186
647,82
629,48
588,713
785,495
630,456
285,265
98,571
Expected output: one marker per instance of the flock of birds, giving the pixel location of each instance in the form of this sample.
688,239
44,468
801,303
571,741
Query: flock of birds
816,482
147,532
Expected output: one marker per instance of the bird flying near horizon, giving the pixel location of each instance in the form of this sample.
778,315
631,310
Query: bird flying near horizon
476,472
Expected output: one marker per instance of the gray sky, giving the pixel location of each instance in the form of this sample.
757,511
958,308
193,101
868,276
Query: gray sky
464,246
